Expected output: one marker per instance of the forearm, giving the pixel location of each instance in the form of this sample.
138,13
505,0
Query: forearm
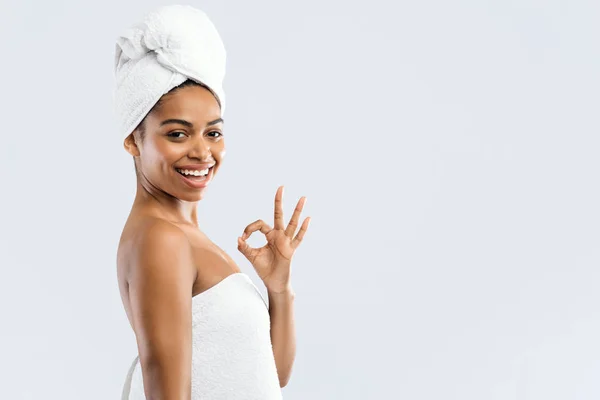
283,335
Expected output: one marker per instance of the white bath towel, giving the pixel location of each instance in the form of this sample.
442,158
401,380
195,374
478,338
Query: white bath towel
170,45
232,353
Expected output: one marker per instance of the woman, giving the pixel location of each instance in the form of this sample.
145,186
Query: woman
203,330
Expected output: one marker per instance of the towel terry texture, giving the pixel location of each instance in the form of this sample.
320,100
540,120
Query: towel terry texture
232,354
170,45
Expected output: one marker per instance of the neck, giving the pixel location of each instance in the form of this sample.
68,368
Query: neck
163,205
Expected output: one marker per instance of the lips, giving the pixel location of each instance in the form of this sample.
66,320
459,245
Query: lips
197,182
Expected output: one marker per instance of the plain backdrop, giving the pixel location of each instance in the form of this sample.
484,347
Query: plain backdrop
448,152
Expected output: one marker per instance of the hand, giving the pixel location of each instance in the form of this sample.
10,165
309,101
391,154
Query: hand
272,262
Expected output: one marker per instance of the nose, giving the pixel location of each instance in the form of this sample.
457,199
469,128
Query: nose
200,148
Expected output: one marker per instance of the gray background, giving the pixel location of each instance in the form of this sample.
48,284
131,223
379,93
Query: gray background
448,151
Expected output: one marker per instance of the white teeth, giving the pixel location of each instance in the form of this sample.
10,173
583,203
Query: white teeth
193,172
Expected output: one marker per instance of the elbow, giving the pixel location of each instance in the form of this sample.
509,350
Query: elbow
284,374
283,381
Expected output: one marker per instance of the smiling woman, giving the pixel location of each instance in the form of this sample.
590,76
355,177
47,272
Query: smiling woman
203,330
182,134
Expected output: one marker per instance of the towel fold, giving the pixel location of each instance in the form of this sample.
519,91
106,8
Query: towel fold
170,45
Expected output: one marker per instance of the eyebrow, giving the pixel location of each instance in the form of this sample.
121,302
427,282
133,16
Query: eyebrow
187,123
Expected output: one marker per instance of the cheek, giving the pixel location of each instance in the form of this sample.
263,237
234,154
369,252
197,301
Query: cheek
219,151
166,152
159,156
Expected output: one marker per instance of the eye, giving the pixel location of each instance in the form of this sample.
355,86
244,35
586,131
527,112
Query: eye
217,132
173,134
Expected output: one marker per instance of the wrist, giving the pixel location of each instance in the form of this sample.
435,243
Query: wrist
282,294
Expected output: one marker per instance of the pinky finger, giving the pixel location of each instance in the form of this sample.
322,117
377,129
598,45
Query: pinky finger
298,239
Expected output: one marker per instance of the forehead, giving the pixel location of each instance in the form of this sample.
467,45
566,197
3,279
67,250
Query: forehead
195,104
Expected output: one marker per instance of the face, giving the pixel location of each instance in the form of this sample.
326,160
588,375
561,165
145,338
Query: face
183,137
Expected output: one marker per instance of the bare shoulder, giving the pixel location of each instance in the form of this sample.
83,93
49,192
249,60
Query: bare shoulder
158,234
158,247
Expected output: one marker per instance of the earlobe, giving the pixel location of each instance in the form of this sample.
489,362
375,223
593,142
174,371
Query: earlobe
130,145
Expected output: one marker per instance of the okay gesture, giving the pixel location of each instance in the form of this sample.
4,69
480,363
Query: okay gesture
272,262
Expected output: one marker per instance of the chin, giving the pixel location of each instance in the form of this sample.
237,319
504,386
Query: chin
191,196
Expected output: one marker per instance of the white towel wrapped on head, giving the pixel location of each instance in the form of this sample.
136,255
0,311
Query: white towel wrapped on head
170,45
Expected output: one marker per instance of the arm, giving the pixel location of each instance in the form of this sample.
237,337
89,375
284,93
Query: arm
160,294
283,335
272,262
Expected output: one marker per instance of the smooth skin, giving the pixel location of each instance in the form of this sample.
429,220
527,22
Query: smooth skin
164,258
272,262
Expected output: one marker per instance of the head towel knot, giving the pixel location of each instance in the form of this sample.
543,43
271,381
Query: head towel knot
170,45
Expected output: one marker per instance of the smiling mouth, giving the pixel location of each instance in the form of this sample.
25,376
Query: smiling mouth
195,175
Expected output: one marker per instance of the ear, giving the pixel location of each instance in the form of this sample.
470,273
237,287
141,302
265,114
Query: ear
131,146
